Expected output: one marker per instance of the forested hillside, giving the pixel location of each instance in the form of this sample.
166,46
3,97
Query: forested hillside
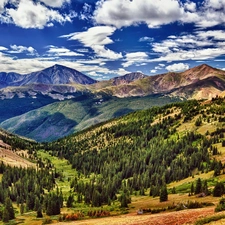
146,149
113,162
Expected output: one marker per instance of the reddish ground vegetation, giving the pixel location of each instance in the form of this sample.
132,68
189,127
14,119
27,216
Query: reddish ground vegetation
168,218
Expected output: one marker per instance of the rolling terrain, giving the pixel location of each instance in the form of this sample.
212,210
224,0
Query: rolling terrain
122,165
67,101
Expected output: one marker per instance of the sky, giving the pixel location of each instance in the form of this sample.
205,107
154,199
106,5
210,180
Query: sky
108,38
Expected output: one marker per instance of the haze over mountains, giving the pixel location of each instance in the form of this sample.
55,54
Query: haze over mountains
65,101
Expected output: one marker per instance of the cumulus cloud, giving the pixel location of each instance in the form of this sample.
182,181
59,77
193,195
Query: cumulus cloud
15,49
147,39
190,6
55,3
96,38
28,65
3,48
86,12
135,58
123,13
157,13
61,51
210,14
200,45
29,14
2,5
177,67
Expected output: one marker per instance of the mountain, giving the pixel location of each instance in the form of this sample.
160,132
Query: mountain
127,78
60,98
9,79
167,83
54,75
57,75
62,118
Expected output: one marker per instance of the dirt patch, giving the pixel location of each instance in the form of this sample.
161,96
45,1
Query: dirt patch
12,158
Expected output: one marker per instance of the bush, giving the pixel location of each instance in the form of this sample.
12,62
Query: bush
158,210
47,220
221,206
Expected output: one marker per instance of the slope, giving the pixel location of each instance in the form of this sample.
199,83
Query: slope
167,83
14,150
143,151
56,74
65,117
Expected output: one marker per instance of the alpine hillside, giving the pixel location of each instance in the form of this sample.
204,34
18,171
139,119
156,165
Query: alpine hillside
167,158
67,101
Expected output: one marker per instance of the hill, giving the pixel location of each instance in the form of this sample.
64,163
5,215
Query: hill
62,118
149,148
88,102
124,164
173,83
14,150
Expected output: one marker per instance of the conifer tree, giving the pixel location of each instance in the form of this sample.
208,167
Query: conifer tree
198,187
8,212
163,194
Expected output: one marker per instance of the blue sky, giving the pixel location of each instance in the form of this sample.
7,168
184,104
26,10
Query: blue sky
108,38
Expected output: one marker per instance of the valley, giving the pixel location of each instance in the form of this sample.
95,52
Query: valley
101,157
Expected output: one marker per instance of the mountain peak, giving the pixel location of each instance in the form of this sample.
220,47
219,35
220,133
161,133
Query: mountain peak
127,78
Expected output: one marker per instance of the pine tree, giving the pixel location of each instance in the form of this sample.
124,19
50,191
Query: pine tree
22,209
219,189
192,188
5,216
9,209
163,194
70,201
198,187
39,212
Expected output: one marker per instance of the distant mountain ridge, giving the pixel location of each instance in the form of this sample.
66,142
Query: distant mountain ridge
172,83
57,80
127,78
57,101
54,75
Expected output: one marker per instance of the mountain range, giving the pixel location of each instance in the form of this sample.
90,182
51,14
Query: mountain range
57,101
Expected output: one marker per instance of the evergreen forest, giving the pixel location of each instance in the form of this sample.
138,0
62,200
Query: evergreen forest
139,154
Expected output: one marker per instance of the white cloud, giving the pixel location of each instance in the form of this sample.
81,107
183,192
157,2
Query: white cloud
2,5
22,49
55,3
210,14
177,67
190,6
61,51
218,35
136,58
25,65
27,14
86,13
156,13
148,39
96,38
122,71
153,71
3,48
123,13
201,45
